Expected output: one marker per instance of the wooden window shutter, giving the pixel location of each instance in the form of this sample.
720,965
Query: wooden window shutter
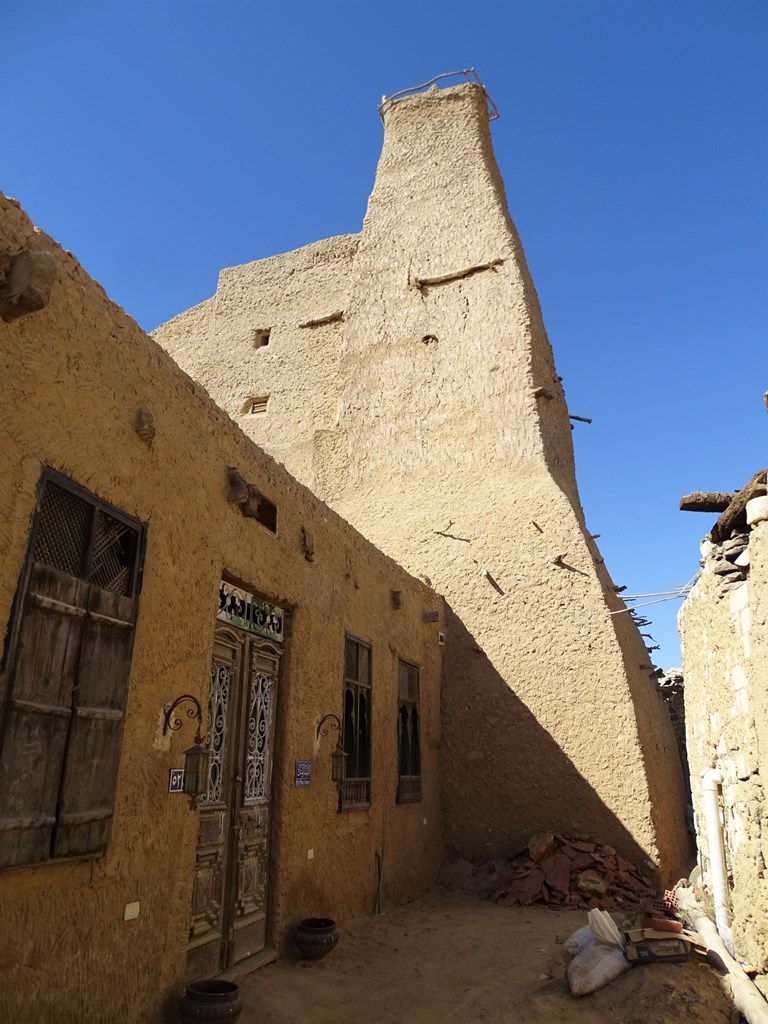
89,779
38,714
68,675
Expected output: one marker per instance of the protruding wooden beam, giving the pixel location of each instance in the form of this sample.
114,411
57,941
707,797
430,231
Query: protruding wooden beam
735,512
329,318
706,501
427,282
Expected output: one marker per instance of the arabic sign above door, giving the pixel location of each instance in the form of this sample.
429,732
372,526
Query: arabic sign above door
241,609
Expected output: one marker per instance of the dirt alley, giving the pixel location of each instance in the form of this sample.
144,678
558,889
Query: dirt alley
455,957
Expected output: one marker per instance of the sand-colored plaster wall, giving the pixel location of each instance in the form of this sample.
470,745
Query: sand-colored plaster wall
218,343
74,375
448,455
725,667
458,443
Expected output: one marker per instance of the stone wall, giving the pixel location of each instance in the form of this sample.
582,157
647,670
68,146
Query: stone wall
436,424
672,691
725,664
74,375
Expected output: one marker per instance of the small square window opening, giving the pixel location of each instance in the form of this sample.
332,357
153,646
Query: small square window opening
257,406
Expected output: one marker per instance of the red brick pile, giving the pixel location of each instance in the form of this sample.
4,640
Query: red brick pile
572,871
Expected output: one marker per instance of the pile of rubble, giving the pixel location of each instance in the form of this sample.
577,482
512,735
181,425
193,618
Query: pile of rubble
557,870
573,871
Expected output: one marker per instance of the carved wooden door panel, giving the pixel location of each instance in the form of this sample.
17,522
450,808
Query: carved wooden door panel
254,781
208,927
231,871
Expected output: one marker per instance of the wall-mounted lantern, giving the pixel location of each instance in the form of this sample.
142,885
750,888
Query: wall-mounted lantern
197,759
339,756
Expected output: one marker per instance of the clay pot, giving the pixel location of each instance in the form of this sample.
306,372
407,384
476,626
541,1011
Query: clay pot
210,1002
315,937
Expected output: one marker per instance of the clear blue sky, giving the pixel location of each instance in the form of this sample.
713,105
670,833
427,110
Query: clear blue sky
162,141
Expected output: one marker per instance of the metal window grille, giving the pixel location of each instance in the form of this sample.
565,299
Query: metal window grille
113,556
64,527
408,738
356,728
77,535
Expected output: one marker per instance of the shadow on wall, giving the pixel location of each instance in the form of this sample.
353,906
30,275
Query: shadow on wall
504,778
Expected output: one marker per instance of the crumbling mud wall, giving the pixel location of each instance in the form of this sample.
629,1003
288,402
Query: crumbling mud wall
73,377
445,438
725,665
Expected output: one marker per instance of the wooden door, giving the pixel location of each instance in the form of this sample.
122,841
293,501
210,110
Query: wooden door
229,898
253,788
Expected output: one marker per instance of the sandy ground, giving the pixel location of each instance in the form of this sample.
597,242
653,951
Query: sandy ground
455,957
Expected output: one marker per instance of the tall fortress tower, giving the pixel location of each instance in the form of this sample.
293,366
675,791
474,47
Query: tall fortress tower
404,374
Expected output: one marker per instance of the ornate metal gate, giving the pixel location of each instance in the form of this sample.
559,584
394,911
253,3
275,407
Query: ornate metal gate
229,899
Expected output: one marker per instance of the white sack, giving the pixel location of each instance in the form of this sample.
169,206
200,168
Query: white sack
575,943
604,928
595,967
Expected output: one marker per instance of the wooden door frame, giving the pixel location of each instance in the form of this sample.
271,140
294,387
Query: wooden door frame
233,766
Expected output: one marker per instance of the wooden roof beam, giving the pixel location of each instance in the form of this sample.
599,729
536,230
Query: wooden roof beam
706,501
735,514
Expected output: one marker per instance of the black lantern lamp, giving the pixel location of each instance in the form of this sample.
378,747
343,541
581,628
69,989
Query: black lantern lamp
339,756
197,759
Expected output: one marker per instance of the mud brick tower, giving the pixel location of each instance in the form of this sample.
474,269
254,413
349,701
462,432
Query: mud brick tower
405,375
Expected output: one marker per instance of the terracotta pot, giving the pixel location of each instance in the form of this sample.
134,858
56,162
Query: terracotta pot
210,1002
315,937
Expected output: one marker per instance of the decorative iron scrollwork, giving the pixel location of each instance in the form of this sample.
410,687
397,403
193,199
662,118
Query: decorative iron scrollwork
174,724
334,723
257,740
218,708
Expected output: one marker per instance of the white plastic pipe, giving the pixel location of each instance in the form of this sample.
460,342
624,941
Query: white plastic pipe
746,996
711,780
